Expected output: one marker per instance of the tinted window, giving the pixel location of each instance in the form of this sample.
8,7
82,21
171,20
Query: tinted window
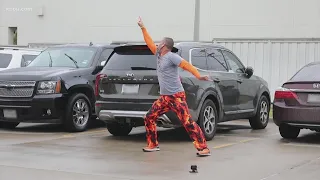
308,73
233,62
105,55
5,60
27,59
198,58
215,60
59,56
132,58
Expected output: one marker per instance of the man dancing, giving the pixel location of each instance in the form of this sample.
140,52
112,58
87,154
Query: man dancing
172,95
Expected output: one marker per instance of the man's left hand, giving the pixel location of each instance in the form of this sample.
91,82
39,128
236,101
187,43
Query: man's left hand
204,78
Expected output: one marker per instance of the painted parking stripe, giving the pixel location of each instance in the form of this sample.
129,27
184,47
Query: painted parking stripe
302,145
224,145
70,135
236,143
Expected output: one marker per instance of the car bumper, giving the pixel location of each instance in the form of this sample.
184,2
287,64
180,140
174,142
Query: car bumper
133,113
39,109
303,117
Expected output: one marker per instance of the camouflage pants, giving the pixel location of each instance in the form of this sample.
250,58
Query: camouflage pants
178,104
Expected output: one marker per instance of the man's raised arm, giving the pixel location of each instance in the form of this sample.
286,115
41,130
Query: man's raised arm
151,45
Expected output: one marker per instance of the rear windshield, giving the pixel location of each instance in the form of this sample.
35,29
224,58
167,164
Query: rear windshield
308,73
132,58
5,60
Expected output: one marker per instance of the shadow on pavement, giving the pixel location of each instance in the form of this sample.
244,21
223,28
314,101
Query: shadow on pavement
311,138
172,135
226,128
50,128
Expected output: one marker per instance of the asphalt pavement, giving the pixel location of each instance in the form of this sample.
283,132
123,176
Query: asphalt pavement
33,152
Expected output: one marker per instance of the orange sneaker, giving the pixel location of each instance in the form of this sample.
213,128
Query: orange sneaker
151,149
204,152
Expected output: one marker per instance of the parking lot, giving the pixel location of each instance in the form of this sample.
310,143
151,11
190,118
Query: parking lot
46,152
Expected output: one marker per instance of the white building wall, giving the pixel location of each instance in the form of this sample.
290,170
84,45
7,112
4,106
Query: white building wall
259,19
106,20
97,21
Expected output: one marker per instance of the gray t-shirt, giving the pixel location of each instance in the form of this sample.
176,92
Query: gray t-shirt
168,73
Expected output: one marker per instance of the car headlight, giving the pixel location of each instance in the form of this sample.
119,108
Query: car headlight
49,87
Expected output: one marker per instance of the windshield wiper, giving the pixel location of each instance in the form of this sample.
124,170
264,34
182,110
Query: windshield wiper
74,61
142,68
50,63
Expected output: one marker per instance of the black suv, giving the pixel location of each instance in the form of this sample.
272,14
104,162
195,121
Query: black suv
56,87
128,85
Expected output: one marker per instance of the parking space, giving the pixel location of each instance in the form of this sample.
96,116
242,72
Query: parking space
45,152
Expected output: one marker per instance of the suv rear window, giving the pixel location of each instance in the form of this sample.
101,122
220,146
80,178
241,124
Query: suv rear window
5,60
132,58
307,73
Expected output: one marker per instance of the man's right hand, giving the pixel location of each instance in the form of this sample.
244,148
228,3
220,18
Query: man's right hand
140,23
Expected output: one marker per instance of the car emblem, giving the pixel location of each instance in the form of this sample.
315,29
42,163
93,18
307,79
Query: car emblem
316,85
130,75
10,86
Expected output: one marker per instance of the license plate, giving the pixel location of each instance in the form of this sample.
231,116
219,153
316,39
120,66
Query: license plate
10,113
130,89
314,98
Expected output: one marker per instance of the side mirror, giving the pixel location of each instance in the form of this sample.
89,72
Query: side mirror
97,69
249,71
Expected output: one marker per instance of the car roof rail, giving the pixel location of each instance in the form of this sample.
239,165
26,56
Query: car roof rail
20,48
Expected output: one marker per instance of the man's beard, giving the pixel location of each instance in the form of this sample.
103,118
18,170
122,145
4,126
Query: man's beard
159,49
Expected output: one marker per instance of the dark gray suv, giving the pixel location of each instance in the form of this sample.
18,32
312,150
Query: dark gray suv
128,85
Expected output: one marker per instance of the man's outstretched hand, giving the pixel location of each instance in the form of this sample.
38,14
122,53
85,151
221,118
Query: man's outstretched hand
204,78
140,23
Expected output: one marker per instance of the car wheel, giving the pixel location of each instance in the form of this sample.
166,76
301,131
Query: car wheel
78,113
118,129
9,125
208,119
261,119
289,132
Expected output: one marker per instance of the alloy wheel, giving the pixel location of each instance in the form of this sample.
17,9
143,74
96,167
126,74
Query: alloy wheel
209,120
264,112
80,112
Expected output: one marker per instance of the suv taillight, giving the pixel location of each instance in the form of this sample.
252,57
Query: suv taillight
98,78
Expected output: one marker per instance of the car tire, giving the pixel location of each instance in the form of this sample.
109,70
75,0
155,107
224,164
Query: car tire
78,113
289,132
9,125
117,129
208,127
261,119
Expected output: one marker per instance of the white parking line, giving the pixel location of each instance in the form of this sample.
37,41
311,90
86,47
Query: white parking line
302,145
236,143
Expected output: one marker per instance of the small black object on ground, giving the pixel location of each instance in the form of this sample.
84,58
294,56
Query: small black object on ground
194,169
